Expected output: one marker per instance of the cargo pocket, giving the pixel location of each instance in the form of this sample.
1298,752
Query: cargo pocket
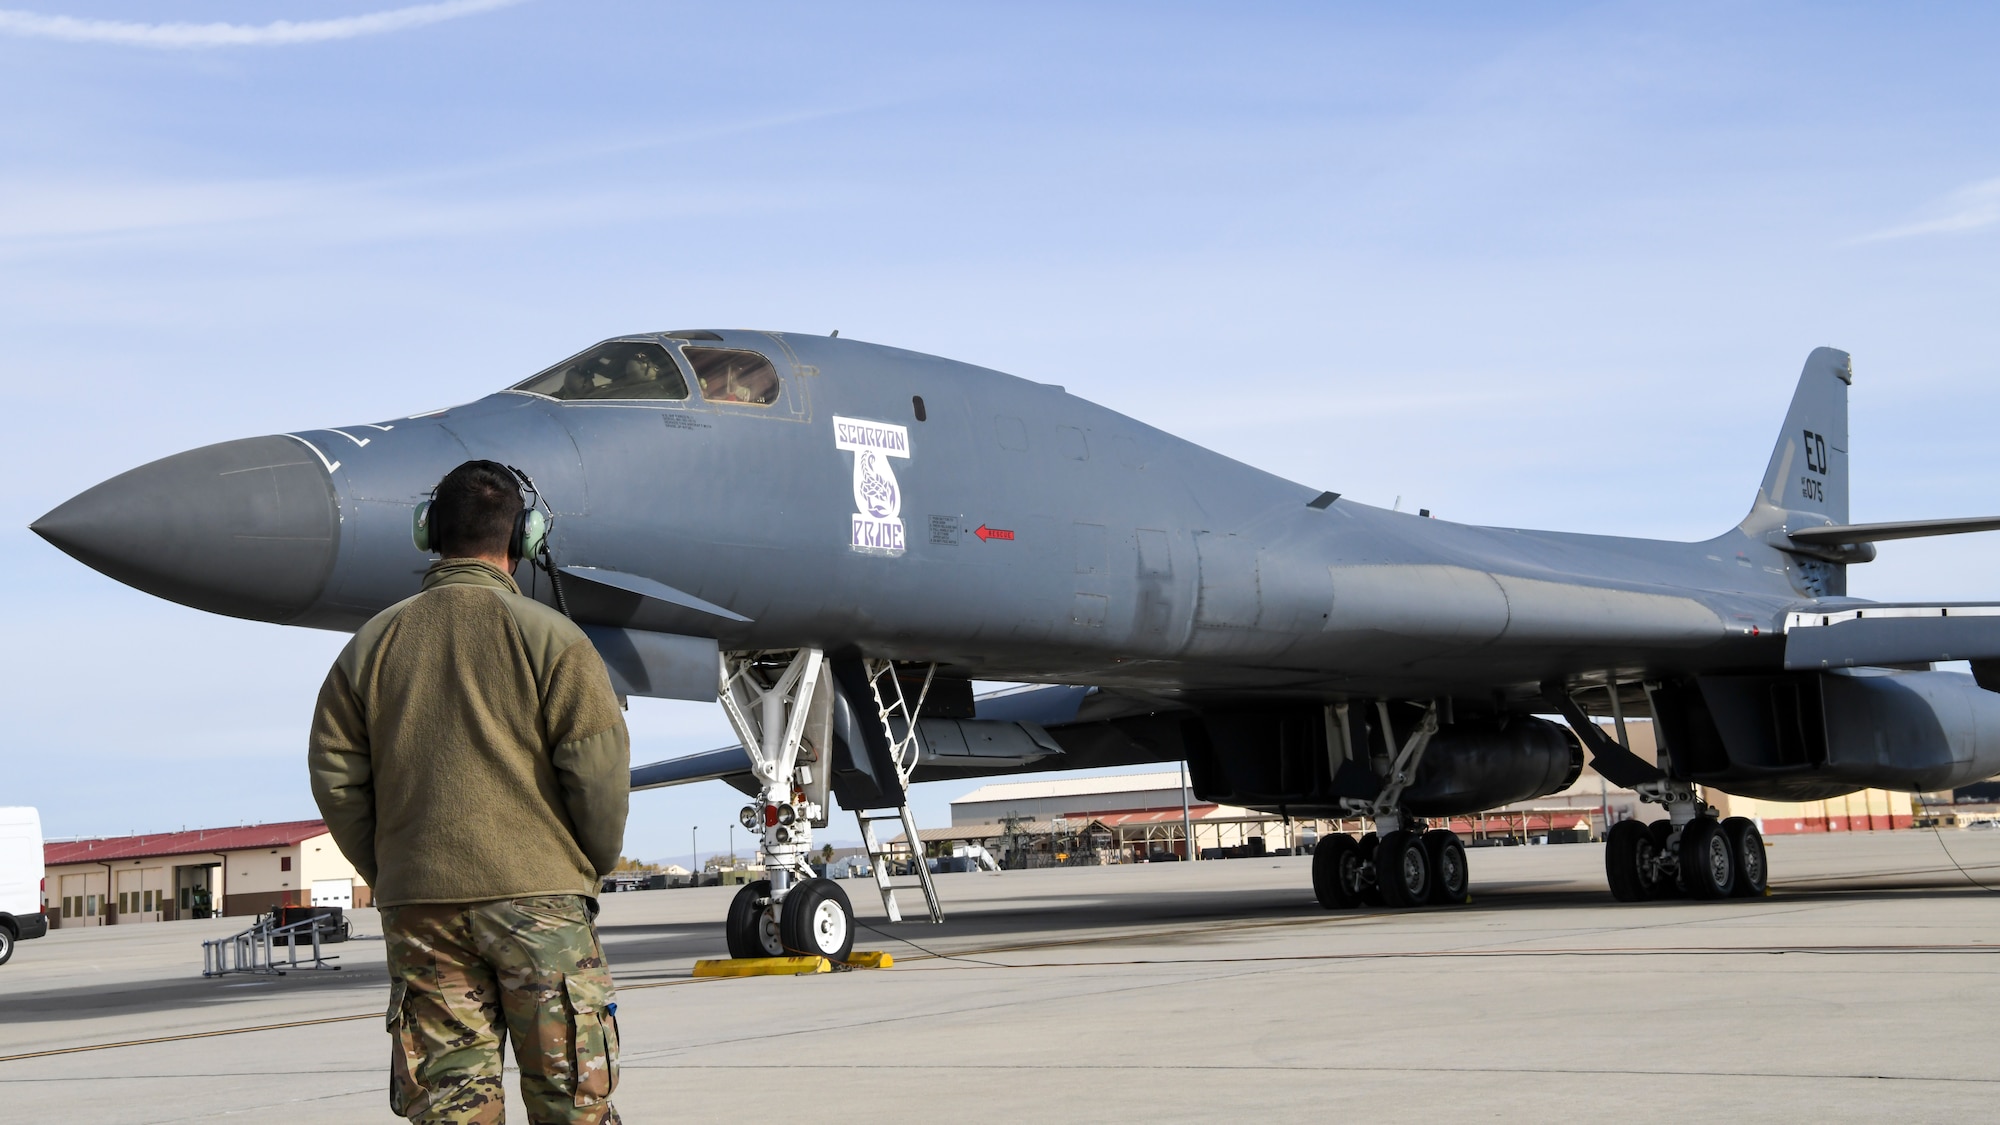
593,1038
406,1095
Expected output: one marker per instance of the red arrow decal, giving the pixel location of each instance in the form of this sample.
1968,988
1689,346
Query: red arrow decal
986,533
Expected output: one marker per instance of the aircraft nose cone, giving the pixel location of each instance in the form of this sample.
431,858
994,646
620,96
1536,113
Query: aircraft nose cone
246,528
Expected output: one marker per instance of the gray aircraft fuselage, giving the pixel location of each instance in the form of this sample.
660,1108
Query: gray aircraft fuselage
1045,539
749,491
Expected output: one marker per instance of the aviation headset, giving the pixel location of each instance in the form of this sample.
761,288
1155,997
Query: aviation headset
530,538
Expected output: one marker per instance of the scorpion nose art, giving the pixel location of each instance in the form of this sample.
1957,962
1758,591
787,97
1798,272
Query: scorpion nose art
246,528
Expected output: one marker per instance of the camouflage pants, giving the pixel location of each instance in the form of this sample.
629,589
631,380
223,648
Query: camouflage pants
460,973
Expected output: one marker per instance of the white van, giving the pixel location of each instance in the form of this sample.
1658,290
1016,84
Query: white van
21,873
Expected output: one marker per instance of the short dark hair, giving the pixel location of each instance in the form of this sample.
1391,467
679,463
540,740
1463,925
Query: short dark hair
474,510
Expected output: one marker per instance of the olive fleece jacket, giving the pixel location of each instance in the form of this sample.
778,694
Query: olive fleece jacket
467,746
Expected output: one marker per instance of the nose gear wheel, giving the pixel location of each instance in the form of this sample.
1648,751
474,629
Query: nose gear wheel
752,926
817,919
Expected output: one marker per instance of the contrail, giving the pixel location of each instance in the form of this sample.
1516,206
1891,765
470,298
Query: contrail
187,35
1973,207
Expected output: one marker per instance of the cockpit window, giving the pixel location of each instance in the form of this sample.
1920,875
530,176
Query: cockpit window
621,369
733,376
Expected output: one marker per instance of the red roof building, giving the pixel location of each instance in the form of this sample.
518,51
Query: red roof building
203,873
201,841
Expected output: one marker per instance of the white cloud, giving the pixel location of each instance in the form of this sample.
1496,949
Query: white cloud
1971,208
40,218
186,35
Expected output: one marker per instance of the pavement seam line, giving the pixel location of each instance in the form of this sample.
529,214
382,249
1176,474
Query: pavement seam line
186,1036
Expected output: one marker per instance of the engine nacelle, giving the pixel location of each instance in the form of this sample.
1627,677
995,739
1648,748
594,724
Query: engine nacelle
1284,759
1483,764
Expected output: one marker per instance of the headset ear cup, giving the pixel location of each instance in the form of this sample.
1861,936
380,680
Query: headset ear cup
420,526
531,532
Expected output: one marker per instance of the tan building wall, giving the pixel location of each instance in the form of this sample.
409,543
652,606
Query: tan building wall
264,878
1867,811
322,868
259,880
97,894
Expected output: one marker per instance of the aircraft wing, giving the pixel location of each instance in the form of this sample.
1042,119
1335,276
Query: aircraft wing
705,766
1006,735
1886,634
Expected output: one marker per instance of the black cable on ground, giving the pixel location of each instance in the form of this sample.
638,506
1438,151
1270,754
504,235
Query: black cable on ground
930,952
1946,848
1954,862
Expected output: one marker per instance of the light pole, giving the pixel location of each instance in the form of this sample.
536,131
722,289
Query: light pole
694,842
1187,822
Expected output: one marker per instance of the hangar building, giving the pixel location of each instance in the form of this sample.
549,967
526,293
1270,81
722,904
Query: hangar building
209,871
1129,815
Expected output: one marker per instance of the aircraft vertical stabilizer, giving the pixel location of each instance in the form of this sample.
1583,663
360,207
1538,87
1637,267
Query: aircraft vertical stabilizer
1808,469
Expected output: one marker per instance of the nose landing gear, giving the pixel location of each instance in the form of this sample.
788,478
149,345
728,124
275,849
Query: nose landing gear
780,708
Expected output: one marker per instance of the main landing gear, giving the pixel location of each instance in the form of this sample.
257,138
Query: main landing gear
1404,862
1398,868
1691,854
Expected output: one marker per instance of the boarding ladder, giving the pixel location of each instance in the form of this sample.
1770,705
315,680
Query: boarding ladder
898,717
256,949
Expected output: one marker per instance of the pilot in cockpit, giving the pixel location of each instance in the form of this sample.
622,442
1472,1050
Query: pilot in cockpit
732,383
640,370
577,382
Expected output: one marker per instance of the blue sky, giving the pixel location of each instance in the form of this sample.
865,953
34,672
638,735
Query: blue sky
1549,265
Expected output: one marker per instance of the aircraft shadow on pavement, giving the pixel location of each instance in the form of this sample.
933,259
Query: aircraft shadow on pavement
191,992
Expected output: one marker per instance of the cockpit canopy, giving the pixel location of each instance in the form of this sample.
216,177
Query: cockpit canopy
727,375
618,369
643,369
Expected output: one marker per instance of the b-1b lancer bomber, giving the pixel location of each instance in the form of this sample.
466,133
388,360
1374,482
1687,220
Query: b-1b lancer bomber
835,539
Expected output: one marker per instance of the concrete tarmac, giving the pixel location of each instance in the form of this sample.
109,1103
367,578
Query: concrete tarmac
1863,988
